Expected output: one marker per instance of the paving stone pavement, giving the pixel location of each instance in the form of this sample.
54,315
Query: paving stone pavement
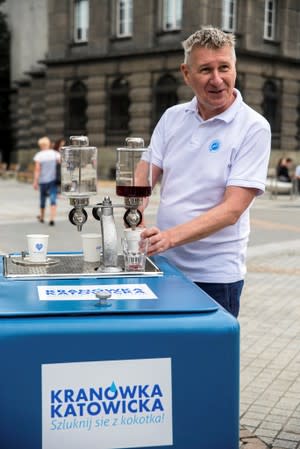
270,347
270,306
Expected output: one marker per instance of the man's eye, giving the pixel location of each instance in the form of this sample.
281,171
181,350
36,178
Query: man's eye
204,70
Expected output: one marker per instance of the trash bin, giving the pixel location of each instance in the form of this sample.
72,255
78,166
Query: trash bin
156,367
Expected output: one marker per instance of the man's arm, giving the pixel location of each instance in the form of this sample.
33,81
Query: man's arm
235,202
141,174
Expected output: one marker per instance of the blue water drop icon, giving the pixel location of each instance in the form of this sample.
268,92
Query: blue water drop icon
113,387
214,146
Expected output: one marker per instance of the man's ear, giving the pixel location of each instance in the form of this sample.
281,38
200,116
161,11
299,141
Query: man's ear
185,72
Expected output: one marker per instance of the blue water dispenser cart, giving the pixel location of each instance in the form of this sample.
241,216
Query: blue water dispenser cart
155,365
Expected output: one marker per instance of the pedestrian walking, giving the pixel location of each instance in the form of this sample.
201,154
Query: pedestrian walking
45,177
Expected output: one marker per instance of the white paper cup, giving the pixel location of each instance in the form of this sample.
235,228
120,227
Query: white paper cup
134,250
91,247
37,245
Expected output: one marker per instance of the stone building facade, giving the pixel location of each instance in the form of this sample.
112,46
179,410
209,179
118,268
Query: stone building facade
112,66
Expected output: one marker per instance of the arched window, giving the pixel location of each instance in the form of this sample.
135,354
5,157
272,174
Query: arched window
165,95
271,108
118,112
76,118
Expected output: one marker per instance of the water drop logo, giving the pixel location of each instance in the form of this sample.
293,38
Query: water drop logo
214,146
113,387
39,246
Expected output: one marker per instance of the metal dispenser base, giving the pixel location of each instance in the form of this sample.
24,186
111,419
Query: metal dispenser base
69,266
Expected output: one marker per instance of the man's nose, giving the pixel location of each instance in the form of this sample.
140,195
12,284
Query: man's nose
216,77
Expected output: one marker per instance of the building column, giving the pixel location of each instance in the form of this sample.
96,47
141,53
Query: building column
55,104
96,111
21,120
140,104
38,118
289,116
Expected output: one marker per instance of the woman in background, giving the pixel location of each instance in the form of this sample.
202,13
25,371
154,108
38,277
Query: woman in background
46,161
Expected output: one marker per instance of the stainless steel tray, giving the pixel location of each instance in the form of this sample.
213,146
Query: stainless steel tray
69,266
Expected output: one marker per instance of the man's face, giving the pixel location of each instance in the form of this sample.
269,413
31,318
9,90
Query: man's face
211,75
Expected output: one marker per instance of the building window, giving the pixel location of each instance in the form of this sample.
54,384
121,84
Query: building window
81,20
76,118
118,112
165,93
171,15
229,15
124,18
270,19
271,108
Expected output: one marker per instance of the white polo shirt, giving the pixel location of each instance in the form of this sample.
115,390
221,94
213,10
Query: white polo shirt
199,160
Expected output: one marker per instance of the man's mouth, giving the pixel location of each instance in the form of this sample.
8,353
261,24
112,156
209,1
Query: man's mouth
215,92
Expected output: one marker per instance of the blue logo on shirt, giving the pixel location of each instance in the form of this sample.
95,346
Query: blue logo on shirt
214,146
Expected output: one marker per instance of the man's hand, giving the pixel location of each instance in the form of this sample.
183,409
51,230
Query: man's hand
158,241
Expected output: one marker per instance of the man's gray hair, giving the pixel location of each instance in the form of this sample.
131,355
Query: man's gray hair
208,37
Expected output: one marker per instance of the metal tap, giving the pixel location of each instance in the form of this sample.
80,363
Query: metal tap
78,215
133,216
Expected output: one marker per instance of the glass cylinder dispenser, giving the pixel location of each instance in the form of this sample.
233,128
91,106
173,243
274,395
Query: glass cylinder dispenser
132,178
79,168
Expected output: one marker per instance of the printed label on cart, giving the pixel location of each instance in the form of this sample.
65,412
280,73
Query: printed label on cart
87,292
107,404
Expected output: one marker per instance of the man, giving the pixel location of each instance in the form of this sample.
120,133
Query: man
212,156
45,177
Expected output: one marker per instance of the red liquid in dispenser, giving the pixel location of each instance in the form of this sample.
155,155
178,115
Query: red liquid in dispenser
133,191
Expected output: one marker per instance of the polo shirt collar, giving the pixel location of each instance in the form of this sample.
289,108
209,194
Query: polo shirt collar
226,116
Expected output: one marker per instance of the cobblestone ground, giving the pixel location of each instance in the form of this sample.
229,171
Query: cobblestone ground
270,350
